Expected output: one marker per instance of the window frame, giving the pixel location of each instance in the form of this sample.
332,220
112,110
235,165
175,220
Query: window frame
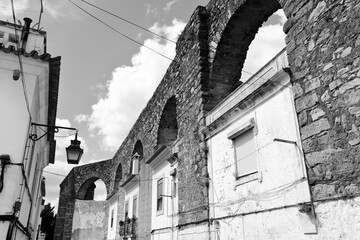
126,212
135,206
159,196
234,135
112,219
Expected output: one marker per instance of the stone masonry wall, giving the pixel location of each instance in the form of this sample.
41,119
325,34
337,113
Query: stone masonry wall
324,56
70,187
323,47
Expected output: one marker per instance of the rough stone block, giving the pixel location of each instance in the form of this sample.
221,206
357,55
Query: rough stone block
312,84
321,191
316,114
315,128
320,8
306,101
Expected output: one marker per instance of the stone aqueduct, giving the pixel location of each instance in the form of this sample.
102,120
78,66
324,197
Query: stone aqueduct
323,46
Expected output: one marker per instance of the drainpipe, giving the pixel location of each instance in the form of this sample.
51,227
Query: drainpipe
25,33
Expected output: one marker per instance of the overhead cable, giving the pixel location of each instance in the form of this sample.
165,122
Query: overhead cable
60,175
131,39
125,20
20,62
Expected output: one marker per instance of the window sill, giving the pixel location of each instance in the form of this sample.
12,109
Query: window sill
159,213
248,178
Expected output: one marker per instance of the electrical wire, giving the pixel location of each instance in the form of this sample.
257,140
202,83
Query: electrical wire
20,62
54,173
115,30
125,20
131,39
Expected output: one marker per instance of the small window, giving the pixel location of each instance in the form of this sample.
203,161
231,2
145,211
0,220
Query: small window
174,187
126,210
135,206
159,196
245,153
112,219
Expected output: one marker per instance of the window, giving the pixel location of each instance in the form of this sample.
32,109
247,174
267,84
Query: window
174,187
245,149
159,196
135,206
112,219
126,210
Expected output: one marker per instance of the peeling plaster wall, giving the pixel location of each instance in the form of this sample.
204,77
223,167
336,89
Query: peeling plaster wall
335,220
90,221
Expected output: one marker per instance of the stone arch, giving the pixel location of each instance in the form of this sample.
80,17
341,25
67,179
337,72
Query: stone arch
231,48
87,189
168,127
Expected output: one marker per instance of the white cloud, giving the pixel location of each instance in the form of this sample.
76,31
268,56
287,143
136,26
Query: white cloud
130,88
151,10
169,4
19,6
282,16
30,8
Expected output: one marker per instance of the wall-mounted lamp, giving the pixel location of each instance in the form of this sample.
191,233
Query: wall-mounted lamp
73,152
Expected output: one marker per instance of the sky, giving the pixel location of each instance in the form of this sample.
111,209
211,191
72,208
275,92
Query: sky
106,79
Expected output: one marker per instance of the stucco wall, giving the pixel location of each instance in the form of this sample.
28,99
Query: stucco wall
281,177
334,220
90,221
113,232
23,174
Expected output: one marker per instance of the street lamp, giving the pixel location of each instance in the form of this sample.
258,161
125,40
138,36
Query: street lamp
73,152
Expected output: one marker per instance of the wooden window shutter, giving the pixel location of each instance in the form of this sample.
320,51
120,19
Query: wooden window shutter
246,154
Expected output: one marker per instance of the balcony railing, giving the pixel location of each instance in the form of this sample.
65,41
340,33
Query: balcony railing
128,228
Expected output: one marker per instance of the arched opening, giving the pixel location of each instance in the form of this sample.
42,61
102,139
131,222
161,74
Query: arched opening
92,189
268,42
168,127
136,157
138,149
100,191
118,177
232,49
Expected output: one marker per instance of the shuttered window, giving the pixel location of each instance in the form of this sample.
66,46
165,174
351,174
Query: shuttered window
126,210
135,206
245,153
159,196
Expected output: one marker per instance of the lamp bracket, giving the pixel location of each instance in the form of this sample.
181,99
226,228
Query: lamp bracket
50,129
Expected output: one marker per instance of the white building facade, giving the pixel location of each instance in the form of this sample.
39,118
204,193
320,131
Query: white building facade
258,184
28,94
164,197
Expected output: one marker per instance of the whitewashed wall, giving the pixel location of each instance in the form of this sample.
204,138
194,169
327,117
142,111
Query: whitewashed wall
15,127
113,206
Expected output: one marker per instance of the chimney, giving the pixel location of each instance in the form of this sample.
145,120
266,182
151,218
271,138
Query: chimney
25,32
